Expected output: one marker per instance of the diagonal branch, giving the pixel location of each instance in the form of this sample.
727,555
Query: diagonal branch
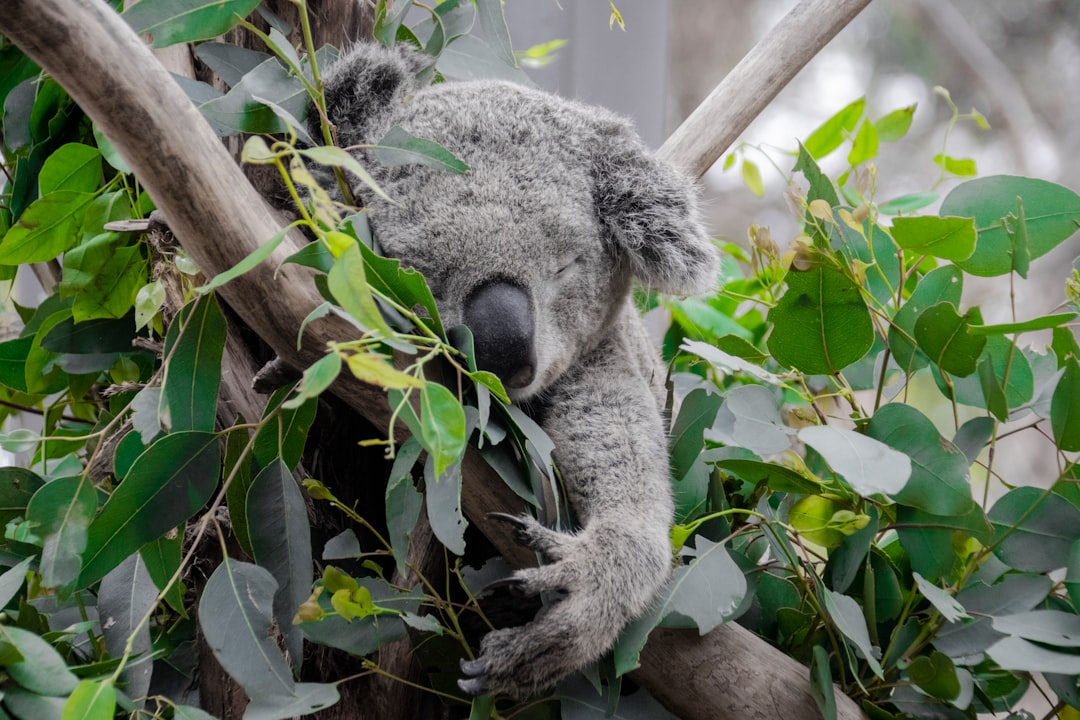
219,219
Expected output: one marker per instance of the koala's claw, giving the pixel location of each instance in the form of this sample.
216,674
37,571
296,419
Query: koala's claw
475,672
513,583
530,533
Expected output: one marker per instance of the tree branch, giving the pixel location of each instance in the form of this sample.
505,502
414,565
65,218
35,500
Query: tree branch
755,81
219,219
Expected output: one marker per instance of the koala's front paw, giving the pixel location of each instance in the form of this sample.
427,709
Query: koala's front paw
602,578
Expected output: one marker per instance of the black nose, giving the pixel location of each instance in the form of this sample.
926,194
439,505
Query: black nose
500,316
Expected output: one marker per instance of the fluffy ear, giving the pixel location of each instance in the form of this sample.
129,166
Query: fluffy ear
365,84
649,209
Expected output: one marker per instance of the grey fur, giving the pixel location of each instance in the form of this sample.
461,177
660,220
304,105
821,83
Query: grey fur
563,201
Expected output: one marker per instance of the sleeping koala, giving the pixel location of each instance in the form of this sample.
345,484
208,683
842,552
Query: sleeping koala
536,249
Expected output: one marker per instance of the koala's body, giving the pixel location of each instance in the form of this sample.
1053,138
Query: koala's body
536,249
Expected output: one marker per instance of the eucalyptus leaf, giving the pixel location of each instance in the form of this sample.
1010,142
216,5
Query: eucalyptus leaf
705,593
1034,529
165,486
398,147
1015,653
125,599
943,284
948,238
280,536
1051,216
946,337
73,166
869,466
403,502
91,700
177,21
443,494
61,512
939,471
41,669
821,324
193,348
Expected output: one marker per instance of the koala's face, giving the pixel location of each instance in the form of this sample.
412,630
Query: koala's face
514,248
535,248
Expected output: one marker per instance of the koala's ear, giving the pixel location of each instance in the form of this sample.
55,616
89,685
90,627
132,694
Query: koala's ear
365,84
650,211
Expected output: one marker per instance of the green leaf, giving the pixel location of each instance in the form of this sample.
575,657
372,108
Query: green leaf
1072,574
493,23
893,126
126,596
811,517
238,466
1053,627
12,581
696,414
938,482
1013,653
240,111
778,477
1009,365
443,493
73,166
872,246
41,669
963,167
704,593
166,485
1045,322
1065,408
948,238
374,368
868,465
821,683
865,145
17,486
403,502
250,262
751,176
1017,230
46,228
908,203
13,355
91,700
286,435
347,282
442,425
1034,531
397,147
62,511
832,133
281,543
104,276
148,301
821,324
193,351
848,618
317,378
1051,213
337,157
935,675
229,62
178,21
947,339
949,607
235,617
750,418
821,187
162,558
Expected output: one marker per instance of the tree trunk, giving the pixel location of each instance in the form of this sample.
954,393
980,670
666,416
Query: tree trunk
219,219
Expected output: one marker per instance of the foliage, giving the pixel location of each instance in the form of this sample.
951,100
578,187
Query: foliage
818,503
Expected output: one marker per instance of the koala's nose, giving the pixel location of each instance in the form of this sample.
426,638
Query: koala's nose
500,316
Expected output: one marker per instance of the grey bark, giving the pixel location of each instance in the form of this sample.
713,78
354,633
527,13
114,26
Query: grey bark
219,219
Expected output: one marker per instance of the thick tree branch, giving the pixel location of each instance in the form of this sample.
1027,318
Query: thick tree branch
219,219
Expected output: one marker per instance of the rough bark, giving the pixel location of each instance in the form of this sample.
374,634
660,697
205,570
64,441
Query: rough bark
219,218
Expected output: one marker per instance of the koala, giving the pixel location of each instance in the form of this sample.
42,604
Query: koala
536,249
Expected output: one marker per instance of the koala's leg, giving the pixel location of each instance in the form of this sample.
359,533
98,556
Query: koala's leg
611,450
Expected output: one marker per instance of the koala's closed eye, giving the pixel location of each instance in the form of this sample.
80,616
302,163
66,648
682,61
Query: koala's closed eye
567,265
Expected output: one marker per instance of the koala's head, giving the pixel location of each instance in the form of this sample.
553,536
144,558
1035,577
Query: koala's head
536,247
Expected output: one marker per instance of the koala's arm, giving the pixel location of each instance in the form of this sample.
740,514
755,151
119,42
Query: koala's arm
612,454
